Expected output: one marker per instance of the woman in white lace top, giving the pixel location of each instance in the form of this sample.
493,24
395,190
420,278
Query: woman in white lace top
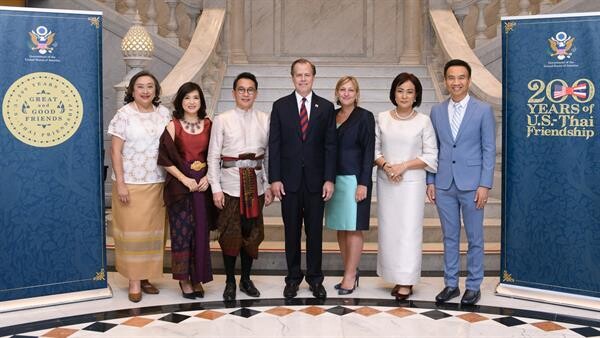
138,210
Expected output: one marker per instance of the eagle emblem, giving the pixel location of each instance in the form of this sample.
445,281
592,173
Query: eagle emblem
42,40
561,45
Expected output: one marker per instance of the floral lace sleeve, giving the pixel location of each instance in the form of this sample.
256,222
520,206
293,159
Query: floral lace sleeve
118,125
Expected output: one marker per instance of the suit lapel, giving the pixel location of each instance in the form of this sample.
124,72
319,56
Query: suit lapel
314,113
293,103
446,119
469,111
349,122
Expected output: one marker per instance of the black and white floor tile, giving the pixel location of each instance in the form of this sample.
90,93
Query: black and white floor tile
369,312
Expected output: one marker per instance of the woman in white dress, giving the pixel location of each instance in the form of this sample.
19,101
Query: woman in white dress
405,147
139,216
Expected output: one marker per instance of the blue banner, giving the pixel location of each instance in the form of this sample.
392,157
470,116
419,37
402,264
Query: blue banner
52,237
551,158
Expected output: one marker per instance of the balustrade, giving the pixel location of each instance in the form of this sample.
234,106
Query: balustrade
175,20
477,18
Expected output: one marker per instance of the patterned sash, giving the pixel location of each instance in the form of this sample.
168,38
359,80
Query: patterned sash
249,205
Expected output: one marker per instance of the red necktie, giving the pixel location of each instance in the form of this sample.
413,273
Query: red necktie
303,119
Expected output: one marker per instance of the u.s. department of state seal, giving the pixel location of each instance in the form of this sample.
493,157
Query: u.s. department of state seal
42,109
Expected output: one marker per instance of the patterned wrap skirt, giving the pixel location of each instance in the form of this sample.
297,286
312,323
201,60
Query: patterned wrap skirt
234,237
189,229
139,231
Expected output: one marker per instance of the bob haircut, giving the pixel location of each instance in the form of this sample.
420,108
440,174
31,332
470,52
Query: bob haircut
129,90
400,79
341,82
185,89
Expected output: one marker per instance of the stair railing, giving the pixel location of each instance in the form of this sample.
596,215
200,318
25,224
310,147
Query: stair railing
201,62
175,20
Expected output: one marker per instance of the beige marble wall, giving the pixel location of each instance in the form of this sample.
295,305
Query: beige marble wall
324,30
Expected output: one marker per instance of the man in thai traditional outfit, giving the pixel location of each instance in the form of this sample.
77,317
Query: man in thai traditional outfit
237,175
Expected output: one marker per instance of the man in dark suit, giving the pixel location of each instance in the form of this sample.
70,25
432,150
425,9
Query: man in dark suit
302,157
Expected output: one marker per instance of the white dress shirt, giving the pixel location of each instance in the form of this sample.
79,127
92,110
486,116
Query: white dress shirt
236,132
461,107
307,104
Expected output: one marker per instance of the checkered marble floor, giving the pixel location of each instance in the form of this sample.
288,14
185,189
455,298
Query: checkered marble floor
368,312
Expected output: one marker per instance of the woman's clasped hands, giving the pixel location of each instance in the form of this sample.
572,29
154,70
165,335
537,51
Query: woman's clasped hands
194,186
395,172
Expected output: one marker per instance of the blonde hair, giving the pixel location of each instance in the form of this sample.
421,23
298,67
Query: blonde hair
341,82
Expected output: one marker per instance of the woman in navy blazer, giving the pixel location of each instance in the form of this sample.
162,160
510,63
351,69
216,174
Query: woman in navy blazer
349,209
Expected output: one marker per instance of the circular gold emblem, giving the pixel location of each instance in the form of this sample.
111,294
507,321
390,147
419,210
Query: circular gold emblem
42,109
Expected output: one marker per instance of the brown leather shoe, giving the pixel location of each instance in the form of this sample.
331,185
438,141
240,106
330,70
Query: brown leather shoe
404,296
395,290
135,297
148,288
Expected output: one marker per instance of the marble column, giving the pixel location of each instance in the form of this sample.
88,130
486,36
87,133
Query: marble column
411,53
238,36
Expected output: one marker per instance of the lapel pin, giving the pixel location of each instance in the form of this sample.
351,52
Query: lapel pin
316,105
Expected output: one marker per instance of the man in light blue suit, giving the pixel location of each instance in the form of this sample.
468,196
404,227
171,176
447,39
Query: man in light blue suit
465,129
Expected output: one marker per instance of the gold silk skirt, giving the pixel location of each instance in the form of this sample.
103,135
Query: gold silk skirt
139,231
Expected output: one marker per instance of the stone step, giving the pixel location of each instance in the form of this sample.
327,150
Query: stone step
492,209
358,70
374,80
285,81
272,94
272,256
373,106
432,231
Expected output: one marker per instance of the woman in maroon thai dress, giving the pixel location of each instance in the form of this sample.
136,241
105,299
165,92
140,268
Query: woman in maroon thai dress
183,148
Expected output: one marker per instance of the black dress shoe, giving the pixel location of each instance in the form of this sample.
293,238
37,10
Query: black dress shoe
447,294
247,287
229,293
290,290
471,297
318,291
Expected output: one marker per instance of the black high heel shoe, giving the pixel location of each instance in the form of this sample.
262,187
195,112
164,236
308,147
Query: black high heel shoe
342,291
339,285
189,295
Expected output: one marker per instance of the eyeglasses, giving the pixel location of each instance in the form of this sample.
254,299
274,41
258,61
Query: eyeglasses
241,90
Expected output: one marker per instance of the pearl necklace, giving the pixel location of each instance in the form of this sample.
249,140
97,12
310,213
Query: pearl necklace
402,118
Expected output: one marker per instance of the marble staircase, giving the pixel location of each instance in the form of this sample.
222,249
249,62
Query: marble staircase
274,81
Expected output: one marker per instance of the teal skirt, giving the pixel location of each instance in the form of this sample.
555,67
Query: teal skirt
340,210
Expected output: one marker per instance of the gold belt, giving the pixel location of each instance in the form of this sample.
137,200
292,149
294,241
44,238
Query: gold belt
197,165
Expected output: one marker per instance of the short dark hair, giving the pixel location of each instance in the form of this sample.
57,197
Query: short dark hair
245,75
457,62
400,79
129,90
185,89
302,60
